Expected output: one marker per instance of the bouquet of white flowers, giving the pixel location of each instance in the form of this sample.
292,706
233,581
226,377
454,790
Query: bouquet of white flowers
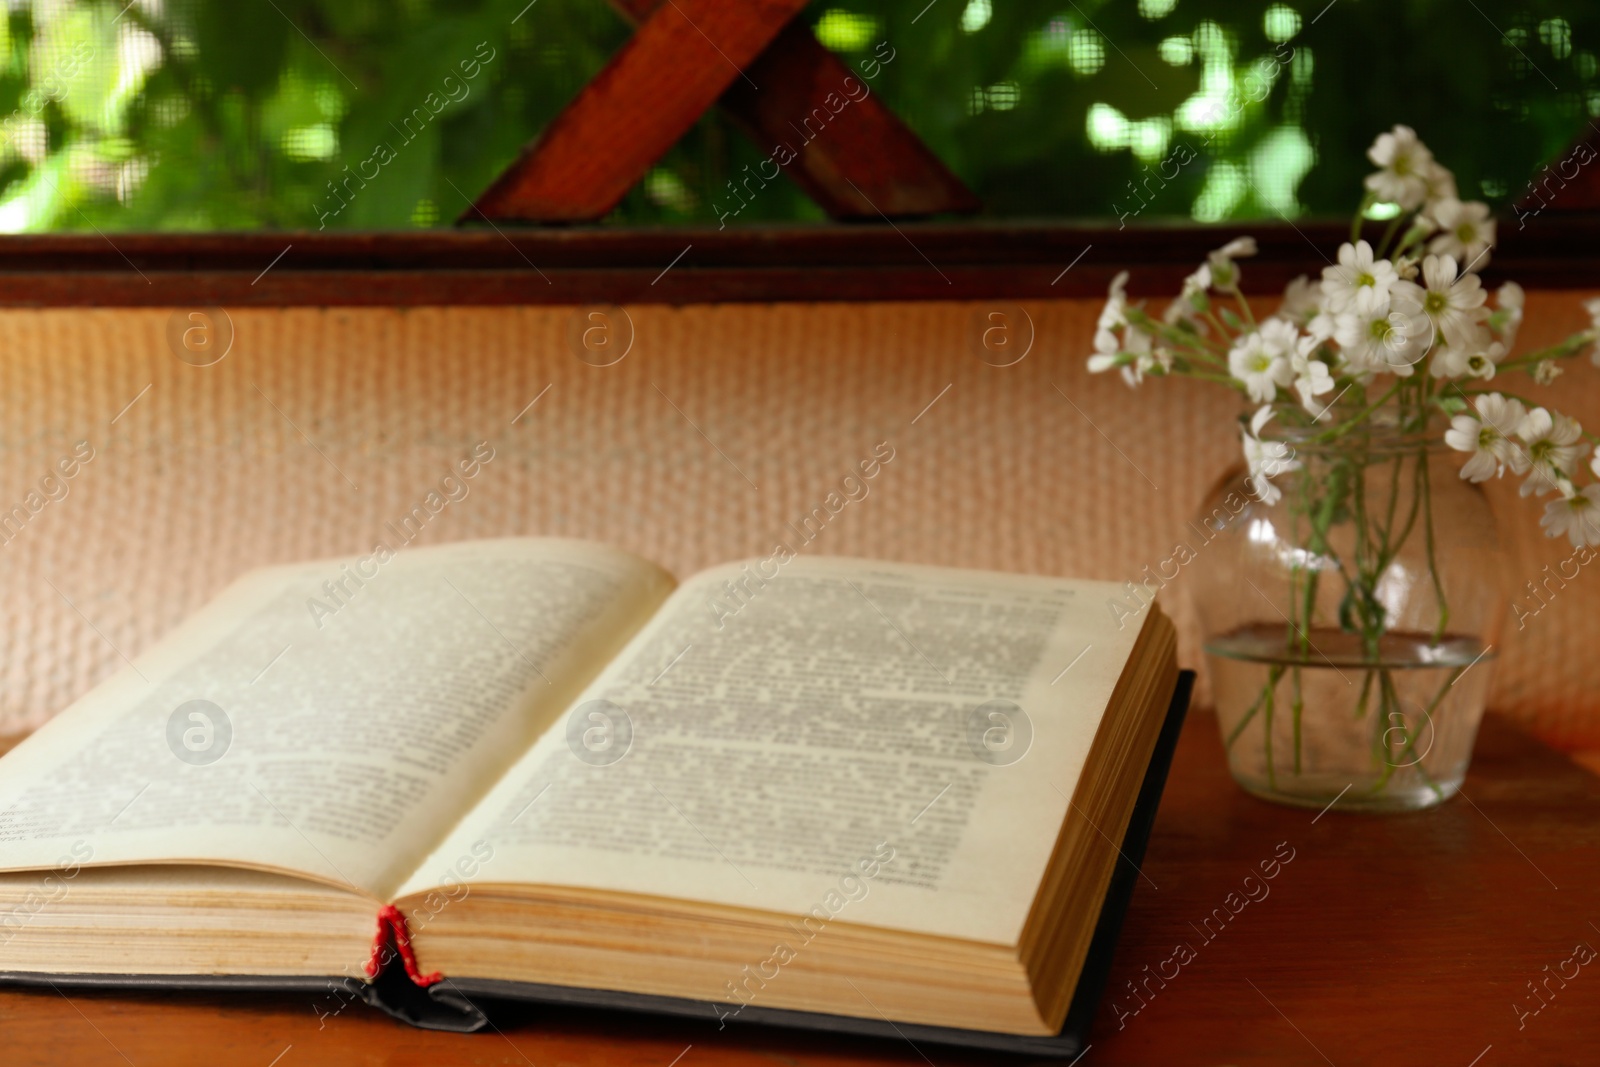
1361,372
1406,326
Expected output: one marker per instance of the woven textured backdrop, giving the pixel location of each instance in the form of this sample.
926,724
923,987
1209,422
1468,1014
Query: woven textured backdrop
722,424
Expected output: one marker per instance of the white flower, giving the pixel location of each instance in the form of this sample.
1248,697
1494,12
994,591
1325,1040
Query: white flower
1355,272
1311,377
1475,354
1421,226
1507,318
1192,301
1487,437
1545,371
1113,315
1376,337
1112,351
1407,165
1266,459
1302,301
1554,446
1441,183
1224,272
1136,343
1448,299
1281,335
1322,325
1577,516
1467,434
1146,358
1104,361
1483,364
1465,231
1261,359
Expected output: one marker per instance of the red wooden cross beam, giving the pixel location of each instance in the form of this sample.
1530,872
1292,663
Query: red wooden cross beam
821,121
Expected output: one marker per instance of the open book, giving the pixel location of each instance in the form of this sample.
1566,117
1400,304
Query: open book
824,785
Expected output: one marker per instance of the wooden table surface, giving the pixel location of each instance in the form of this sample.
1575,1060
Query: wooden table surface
1394,940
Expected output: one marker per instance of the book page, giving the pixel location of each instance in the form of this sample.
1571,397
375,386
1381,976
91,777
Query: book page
893,743
333,718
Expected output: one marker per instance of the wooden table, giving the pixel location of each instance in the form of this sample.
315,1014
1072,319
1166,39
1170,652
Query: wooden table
1397,940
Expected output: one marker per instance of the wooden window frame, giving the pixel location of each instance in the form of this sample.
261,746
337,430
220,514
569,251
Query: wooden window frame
676,266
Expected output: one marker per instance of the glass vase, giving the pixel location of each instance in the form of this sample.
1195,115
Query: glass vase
1350,606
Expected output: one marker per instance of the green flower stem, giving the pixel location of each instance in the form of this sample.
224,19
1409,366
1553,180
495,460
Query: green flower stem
1305,603
1392,758
1358,588
1396,544
1128,359
1394,761
1244,305
1209,376
1178,338
1411,237
1388,515
1530,404
1331,435
1366,692
1179,348
1388,235
1367,200
1216,323
1266,727
1382,727
1295,709
1572,346
1433,561
1444,688
1273,674
1388,705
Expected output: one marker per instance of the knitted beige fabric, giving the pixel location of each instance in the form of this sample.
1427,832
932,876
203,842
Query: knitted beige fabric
720,425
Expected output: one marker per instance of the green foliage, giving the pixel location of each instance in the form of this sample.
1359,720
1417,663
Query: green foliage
297,114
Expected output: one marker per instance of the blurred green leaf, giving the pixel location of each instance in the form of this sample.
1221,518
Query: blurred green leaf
203,114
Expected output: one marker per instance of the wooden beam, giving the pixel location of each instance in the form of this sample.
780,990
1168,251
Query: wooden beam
1019,262
861,160
674,67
